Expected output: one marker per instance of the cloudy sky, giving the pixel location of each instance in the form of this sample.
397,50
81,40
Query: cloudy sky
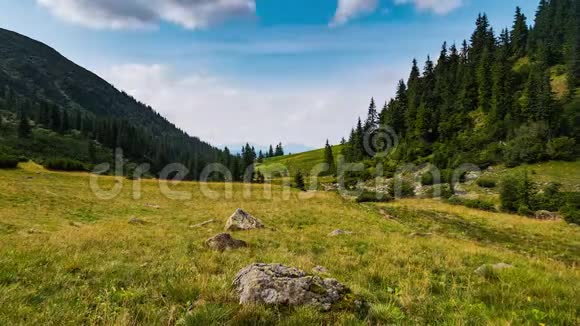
261,71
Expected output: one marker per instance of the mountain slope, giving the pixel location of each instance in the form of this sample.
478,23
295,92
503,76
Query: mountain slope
37,81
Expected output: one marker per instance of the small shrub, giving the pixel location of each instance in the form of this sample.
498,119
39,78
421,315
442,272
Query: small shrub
427,179
64,165
562,148
486,183
472,203
570,214
8,162
373,197
401,189
524,210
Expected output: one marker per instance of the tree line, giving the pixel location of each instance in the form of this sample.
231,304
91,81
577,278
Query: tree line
507,98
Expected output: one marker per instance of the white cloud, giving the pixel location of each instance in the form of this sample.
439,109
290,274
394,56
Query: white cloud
437,6
350,9
224,111
123,14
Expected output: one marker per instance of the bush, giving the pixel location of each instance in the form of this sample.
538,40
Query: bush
373,197
61,164
445,191
427,179
562,148
528,146
8,162
517,191
570,214
486,183
550,199
480,204
406,189
472,203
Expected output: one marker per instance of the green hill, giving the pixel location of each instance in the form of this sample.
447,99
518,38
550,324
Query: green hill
303,162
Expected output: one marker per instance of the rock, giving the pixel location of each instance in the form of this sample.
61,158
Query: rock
338,232
241,220
75,224
496,267
545,215
153,206
276,284
201,224
320,270
136,221
471,176
224,241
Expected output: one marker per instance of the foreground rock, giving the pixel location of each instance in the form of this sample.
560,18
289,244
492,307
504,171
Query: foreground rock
241,220
224,241
276,284
495,267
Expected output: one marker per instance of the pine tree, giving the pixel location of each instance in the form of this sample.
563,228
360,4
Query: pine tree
299,181
519,35
329,159
24,128
372,117
271,151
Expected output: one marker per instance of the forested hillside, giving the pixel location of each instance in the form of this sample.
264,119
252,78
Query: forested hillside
52,108
509,97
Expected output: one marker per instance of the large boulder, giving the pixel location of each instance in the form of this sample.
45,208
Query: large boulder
224,241
276,284
241,220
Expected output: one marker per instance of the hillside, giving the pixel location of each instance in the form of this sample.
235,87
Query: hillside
303,162
54,93
66,255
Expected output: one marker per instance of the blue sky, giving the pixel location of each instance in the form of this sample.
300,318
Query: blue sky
263,71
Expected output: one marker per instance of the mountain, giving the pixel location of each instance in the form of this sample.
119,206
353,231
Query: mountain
55,94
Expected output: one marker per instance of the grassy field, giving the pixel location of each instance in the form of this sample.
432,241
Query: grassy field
67,257
303,162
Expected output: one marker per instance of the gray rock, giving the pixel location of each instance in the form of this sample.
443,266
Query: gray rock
338,232
224,241
241,220
496,267
545,215
276,284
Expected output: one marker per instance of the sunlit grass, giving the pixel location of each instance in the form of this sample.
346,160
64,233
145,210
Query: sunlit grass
67,257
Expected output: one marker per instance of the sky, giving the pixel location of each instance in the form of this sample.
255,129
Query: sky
260,71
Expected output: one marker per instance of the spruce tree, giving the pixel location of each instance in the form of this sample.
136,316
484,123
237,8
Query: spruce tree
372,117
519,35
299,181
329,158
24,128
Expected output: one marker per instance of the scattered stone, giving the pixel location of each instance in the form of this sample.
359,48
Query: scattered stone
75,224
496,267
137,221
241,220
338,232
320,270
224,241
472,175
201,224
153,206
276,284
545,215
35,231
420,234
